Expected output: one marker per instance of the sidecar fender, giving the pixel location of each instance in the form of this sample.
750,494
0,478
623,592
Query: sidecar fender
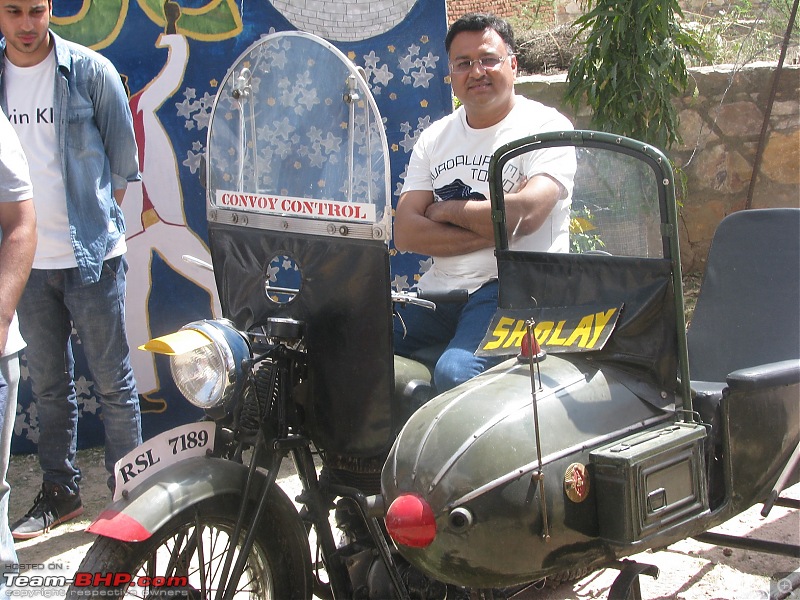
165,494
771,375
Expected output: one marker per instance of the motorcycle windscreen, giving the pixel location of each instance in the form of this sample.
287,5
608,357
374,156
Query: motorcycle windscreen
299,221
609,247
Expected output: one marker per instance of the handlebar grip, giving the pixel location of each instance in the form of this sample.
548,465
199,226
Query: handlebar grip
458,296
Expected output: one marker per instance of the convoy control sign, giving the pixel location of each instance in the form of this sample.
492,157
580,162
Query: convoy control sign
296,207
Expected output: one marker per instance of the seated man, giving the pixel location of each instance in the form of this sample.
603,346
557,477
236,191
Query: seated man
444,210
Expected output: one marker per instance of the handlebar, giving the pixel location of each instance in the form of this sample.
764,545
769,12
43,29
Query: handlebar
192,260
418,297
430,299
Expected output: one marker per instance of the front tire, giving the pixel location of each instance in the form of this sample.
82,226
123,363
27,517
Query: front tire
184,558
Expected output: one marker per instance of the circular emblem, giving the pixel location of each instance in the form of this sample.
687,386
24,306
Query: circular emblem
576,482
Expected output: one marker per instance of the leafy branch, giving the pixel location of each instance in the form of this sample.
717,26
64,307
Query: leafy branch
633,67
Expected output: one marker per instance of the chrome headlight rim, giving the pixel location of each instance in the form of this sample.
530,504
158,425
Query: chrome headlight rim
232,348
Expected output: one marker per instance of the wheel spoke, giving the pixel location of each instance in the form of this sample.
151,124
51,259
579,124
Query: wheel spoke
176,556
194,547
198,537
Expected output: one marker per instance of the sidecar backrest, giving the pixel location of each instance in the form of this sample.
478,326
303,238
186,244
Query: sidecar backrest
748,310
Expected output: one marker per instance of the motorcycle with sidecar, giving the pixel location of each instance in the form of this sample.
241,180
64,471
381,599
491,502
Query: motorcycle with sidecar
603,431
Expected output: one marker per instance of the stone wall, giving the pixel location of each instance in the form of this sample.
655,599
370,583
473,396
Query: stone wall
721,119
501,8
566,11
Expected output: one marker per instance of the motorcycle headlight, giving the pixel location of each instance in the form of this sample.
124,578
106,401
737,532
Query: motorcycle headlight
210,373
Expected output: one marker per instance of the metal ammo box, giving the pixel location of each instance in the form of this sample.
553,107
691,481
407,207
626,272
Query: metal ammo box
649,480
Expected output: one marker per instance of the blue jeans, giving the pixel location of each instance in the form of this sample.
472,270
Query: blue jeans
460,327
9,380
53,302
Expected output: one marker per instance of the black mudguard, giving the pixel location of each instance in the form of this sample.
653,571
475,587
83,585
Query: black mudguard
174,489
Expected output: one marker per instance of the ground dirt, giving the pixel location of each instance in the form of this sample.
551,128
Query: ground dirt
688,570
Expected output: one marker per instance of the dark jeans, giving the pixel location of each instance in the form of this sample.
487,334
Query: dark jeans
53,302
460,326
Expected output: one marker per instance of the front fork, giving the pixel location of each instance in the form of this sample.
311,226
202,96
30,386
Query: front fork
317,512
269,450
232,573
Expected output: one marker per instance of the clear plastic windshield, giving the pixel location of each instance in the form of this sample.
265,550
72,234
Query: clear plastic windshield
615,205
296,142
610,203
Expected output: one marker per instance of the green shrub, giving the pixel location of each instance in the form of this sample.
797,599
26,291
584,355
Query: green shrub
632,68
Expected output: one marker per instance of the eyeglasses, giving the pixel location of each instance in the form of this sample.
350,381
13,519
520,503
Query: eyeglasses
487,63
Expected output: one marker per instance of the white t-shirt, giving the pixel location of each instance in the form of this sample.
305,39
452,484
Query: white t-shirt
451,159
29,92
15,186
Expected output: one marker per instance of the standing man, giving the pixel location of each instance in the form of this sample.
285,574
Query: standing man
444,210
70,111
17,245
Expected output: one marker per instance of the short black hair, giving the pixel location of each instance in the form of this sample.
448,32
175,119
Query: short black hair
480,22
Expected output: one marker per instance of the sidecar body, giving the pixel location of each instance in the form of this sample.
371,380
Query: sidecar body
605,446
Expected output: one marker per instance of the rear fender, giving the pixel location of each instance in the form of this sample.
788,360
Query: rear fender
166,493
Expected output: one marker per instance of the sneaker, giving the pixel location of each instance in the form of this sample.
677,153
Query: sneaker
54,505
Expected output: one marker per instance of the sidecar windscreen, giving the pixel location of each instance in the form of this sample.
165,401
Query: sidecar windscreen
611,244
299,220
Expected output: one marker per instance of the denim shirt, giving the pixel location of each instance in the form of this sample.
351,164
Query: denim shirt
96,142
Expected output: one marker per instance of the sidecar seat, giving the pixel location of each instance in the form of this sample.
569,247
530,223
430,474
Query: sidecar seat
748,309
747,317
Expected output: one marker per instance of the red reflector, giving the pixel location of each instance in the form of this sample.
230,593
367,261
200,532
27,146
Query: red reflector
530,346
410,521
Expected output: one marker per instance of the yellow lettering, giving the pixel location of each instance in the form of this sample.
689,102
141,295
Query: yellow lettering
582,331
542,330
500,333
555,339
515,339
600,321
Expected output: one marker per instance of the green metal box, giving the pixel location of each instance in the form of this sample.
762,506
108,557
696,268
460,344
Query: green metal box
650,480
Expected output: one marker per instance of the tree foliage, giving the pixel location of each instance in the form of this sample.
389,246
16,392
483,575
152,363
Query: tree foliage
632,68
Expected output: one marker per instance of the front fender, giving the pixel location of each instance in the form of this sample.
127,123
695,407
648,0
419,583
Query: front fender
168,492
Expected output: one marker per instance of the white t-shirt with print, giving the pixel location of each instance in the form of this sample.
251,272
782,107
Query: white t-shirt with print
451,159
29,93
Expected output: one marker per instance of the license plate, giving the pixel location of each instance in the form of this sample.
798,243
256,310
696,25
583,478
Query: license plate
161,451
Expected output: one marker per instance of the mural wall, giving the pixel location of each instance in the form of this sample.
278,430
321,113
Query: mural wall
172,55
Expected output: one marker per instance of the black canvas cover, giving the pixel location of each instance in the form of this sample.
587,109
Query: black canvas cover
644,344
345,304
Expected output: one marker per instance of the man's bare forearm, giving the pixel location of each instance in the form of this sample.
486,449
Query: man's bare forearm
432,238
471,215
526,210
18,222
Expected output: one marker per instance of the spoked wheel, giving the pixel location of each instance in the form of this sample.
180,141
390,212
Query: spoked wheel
186,558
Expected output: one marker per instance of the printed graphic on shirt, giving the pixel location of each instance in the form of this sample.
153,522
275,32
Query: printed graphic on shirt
36,116
458,190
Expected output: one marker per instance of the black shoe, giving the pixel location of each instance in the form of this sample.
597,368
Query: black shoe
54,505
